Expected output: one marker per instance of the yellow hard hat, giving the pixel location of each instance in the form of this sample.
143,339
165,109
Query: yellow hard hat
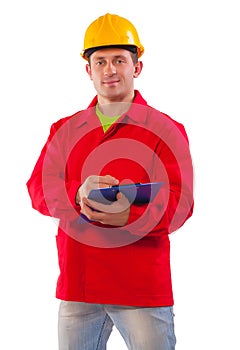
111,30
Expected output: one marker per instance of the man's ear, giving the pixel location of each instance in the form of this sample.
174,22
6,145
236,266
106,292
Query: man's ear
137,69
88,70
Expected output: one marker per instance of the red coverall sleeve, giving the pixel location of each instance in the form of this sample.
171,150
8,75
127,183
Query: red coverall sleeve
51,193
174,202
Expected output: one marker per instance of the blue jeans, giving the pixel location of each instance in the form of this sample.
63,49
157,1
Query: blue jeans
85,326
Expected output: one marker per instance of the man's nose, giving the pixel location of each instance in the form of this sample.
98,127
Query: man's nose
110,69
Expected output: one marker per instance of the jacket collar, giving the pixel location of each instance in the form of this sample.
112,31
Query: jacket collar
136,113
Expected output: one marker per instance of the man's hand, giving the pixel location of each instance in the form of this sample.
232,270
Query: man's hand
115,214
93,182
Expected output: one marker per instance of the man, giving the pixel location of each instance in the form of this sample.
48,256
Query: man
114,258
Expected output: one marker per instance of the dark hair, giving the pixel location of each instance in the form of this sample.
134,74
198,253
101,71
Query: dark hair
134,57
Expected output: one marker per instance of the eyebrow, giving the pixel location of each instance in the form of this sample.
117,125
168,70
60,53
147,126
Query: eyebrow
104,57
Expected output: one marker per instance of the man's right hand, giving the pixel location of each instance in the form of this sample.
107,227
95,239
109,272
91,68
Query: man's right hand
93,182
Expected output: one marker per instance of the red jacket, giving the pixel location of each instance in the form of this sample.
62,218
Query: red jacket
127,265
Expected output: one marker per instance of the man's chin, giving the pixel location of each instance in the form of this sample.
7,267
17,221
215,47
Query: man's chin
113,95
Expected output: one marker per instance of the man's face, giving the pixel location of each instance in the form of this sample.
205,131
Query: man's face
112,71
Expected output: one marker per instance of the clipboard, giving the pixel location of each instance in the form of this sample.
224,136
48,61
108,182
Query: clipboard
139,193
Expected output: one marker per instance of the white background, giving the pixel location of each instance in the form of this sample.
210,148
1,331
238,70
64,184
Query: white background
191,72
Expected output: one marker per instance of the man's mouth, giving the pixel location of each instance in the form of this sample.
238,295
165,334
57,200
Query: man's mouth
111,82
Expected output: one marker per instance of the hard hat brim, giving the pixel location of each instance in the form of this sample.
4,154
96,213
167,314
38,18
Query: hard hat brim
87,53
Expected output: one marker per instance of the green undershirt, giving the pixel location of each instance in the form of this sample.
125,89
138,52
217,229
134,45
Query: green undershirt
105,120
